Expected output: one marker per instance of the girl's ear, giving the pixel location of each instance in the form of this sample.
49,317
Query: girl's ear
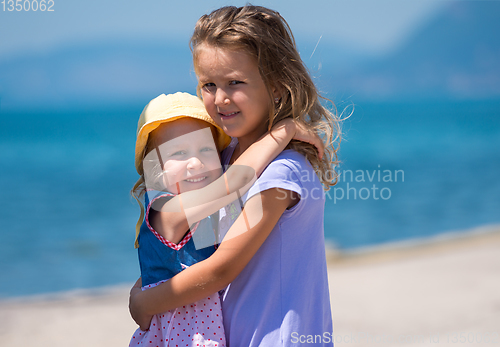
277,92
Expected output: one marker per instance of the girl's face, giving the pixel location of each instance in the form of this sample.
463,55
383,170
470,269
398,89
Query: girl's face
190,157
233,92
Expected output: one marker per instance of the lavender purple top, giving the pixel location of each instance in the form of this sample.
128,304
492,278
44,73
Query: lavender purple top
281,298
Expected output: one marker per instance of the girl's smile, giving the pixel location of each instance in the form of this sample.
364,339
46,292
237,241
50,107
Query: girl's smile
233,92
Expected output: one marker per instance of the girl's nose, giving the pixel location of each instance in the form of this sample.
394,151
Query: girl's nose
221,98
194,163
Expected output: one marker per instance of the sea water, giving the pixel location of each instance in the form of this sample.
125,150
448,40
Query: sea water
429,168
408,170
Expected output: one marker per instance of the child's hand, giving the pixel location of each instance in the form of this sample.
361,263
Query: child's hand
302,133
142,320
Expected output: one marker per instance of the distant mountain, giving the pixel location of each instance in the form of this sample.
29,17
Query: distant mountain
455,55
123,71
130,72
100,73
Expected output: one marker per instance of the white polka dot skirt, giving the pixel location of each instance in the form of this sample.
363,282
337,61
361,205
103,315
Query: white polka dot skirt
195,325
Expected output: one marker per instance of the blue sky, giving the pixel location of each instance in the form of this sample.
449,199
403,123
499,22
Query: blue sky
374,26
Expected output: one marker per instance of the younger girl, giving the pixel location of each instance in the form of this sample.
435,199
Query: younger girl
274,272
176,154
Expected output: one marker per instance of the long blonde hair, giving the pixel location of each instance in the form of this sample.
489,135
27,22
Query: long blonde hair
154,170
266,36
139,189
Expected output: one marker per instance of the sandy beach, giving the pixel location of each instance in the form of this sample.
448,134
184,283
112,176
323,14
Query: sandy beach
444,290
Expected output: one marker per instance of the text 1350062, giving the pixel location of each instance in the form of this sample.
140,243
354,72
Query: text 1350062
28,5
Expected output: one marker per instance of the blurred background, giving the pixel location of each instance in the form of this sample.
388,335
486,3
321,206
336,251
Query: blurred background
419,157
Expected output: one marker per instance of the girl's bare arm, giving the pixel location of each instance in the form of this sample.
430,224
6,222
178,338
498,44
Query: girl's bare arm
215,273
184,209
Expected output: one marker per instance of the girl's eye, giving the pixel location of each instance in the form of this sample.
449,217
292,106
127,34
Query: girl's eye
179,153
207,149
235,82
208,85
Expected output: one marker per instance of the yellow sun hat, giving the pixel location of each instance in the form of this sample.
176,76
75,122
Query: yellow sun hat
167,108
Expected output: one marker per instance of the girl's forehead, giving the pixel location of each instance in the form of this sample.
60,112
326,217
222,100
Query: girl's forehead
207,53
192,138
212,61
181,129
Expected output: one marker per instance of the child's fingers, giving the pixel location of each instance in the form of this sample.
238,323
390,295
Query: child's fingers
138,283
307,135
321,150
319,146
